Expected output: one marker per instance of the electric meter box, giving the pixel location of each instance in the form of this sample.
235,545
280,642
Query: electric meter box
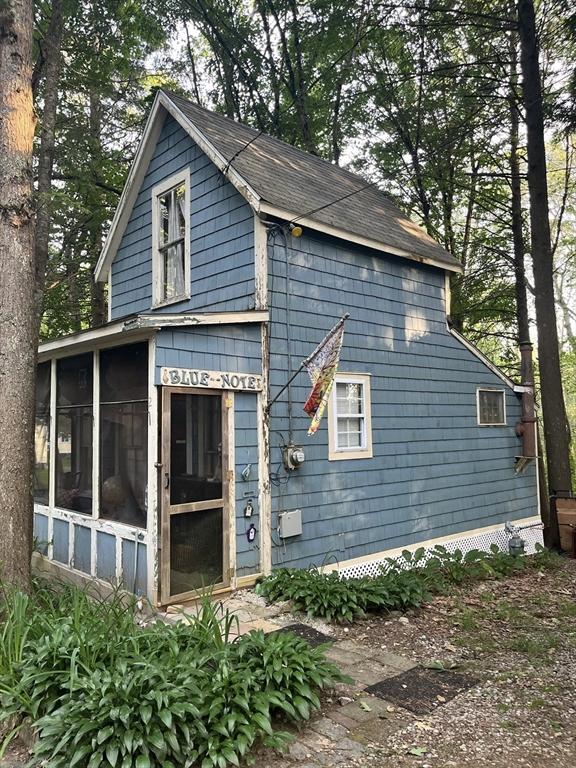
290,523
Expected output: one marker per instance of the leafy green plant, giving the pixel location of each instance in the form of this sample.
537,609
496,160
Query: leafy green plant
402,583
102,691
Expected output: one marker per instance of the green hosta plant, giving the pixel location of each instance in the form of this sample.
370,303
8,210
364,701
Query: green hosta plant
403,583
102,691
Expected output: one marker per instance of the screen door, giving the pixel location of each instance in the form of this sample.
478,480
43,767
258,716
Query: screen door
193,480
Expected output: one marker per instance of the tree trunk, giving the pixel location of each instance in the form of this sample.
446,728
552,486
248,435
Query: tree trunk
18,336
98,313
556,431
53,60
517,219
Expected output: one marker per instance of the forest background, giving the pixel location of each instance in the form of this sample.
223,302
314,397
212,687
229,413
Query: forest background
423,98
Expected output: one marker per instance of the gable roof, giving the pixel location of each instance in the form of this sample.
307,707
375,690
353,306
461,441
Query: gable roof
279,179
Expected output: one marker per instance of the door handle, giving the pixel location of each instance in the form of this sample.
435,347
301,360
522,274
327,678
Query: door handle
166,480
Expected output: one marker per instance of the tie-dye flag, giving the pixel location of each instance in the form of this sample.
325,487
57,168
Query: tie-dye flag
322,366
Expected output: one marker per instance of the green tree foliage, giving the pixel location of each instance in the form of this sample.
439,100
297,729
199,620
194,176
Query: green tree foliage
104,93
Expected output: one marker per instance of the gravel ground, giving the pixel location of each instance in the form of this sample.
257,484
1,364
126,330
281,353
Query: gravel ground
517,637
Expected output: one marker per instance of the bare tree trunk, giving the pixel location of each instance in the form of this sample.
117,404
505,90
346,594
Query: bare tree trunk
53,62
97,298
517,219
556,431
18,334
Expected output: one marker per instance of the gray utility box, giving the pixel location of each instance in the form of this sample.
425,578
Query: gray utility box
290,523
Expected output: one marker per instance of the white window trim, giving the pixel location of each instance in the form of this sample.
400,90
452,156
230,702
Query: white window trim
334,452
157,272
491,423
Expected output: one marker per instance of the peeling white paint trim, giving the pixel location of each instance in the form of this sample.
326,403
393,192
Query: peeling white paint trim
264,488
260,264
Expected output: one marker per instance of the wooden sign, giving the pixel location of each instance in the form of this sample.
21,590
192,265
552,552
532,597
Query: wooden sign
192,377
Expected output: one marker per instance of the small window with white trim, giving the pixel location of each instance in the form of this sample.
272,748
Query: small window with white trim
171,239
349,426
491,407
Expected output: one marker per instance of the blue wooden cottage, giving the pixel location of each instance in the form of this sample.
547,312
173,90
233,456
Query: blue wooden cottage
159,463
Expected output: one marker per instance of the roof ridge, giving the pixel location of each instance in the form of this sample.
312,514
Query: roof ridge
257,133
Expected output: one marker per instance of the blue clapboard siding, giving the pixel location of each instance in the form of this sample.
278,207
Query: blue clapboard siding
246,434
234,348
222,236
435,472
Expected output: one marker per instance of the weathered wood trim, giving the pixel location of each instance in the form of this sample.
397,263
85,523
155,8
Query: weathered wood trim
158,320
247,581
229,509
476,352
342,234
96,434
136,175
164,496
140,328
52,443
152,552
428,544
264,488
110,296
91,339
260,264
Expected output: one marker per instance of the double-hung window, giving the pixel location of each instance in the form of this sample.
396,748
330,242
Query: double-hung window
171,239
349,426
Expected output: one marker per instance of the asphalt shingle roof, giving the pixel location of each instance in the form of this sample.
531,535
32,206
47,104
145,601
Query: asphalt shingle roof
298,182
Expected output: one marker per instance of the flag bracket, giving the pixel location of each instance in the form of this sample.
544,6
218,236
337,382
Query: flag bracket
302,365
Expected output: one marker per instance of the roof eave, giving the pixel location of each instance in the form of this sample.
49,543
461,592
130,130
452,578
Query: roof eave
281,213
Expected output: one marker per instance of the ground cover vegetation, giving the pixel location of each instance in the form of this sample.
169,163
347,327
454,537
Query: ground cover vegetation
101,690
403,583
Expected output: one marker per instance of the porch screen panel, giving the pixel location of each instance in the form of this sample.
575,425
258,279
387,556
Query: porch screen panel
124,433
42,434
74,420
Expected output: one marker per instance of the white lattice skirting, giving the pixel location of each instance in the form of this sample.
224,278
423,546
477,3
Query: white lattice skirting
530,529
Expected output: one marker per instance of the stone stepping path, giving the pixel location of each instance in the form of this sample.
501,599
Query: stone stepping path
386,692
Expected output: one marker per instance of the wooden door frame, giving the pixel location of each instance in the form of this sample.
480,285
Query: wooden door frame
226,503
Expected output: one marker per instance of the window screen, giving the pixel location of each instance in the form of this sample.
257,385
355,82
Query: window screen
74,438
124,433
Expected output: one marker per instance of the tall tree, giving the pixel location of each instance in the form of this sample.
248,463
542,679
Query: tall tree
556,429
18,337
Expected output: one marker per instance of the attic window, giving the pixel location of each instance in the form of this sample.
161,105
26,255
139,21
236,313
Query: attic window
491,407
171,239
